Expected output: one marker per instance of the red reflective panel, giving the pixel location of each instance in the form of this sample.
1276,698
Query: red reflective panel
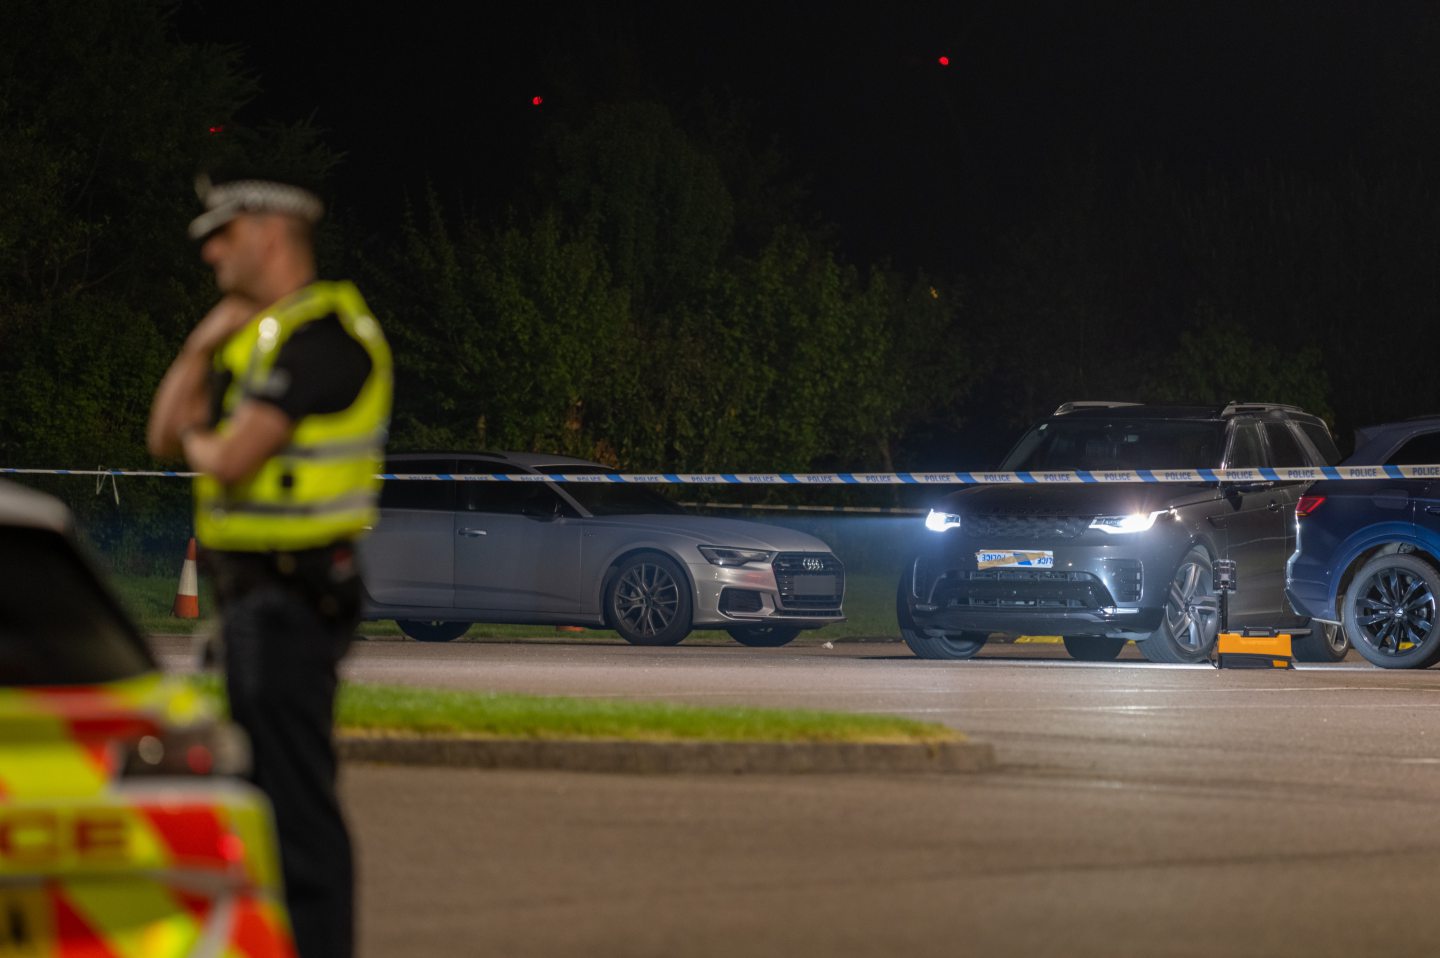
194,834
232,848
1308,504
199,760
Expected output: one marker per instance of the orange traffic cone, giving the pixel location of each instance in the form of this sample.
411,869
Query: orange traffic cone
187,597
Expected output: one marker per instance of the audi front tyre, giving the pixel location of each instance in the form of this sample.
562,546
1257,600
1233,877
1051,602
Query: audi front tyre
763,636
647,600
1325,643
1093,648
1390,612
932,644
432,631
1191,622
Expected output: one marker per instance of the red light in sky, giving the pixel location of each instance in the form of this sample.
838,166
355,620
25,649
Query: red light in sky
536,100
217,129
944,61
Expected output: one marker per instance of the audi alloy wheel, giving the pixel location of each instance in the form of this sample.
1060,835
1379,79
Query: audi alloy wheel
647,600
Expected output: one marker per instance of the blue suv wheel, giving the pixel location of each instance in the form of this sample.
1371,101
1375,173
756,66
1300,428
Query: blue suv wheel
1391,612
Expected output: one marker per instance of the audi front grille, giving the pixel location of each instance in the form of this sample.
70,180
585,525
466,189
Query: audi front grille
809,582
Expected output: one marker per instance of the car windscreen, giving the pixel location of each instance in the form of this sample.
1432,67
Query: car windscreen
58,625
612,498
1093,444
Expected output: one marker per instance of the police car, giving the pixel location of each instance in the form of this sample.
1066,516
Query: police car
122,830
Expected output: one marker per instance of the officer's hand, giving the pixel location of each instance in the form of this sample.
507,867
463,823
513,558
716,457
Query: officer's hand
222,322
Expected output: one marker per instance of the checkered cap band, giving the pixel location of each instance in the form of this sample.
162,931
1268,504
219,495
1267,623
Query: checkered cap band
228,200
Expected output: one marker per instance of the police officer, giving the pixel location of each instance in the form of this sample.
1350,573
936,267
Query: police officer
280,400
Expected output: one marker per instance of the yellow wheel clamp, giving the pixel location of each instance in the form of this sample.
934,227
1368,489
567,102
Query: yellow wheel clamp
1254,649
1246,648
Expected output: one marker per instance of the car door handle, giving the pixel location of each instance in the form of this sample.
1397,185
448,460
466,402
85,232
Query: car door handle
473,533
1274,506
1433,510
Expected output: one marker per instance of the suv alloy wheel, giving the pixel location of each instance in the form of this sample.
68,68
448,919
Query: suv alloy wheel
1191,623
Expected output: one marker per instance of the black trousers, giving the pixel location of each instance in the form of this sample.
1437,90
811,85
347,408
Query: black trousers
287,620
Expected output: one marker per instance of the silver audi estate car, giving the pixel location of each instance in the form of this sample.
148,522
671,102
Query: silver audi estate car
447,553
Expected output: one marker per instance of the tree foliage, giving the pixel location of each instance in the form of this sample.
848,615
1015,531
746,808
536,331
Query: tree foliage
626,322
105,120
664,300
505,339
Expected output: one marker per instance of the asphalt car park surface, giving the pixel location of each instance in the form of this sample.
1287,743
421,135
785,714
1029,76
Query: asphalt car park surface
1135,808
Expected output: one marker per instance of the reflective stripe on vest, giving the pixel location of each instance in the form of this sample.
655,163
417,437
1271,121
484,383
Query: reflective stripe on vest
322,487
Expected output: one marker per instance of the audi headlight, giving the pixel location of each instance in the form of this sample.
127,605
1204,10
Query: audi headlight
724,555
1135,522
940,521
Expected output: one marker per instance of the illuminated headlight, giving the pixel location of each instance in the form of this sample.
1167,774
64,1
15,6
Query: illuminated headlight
723,555
940,521
1136,522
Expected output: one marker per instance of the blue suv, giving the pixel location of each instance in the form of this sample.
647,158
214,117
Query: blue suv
1367,551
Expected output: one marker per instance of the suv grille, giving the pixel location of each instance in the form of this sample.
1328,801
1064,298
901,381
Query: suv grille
1029,528
809,582
1022,589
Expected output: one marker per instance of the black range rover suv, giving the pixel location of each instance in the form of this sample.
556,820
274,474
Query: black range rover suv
1100,564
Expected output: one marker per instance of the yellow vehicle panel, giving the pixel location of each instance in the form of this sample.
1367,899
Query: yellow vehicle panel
125,831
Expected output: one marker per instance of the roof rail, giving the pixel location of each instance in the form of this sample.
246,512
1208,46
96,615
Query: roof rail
1234,408
1089,404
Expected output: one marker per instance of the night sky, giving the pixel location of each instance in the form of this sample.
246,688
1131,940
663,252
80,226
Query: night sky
912,161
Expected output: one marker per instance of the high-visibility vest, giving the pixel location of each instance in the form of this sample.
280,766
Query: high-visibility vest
323,486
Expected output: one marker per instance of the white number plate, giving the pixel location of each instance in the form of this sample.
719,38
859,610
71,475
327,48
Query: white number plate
1010,559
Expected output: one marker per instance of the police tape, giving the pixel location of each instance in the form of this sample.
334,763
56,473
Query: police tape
1081,476
772,507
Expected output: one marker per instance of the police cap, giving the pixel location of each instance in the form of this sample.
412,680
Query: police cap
226,200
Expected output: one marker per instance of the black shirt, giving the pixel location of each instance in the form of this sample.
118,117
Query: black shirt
320,369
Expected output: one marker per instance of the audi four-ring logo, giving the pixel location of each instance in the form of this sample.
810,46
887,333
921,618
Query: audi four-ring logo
813,565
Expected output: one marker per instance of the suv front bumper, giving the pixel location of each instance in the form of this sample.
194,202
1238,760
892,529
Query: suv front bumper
1093,588
1113,623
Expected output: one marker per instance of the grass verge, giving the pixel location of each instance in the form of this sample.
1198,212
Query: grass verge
397,710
